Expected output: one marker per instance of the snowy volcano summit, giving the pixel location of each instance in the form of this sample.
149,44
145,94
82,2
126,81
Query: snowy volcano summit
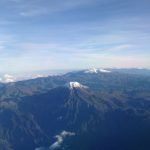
75,84
95,70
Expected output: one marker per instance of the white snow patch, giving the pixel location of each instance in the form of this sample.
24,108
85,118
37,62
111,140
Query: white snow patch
76,85
92,70
38,76
105,71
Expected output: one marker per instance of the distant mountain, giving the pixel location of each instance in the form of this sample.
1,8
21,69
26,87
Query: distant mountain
95,70
76,111
135,71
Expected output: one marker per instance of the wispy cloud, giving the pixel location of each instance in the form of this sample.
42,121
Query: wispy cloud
121,48
43,34
43,7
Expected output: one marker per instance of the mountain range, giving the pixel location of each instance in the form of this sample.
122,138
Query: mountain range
96,109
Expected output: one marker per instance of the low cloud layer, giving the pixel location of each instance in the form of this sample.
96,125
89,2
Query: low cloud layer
60,138
6,78
9,78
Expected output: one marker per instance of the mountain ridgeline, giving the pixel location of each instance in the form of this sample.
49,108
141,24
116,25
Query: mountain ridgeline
82,110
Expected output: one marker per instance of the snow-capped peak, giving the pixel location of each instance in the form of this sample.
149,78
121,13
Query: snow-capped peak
38,76
92,70
76,85
103,70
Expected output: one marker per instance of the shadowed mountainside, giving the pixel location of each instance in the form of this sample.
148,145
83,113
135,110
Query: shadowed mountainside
109,111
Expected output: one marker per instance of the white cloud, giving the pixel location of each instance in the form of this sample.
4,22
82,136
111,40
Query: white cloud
35,12
60,138
51,45
120,47
9,78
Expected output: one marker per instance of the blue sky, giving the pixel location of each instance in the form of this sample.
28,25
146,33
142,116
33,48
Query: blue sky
69,34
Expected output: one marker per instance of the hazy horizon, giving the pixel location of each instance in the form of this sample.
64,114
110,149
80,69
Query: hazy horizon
48,35
13,76
60,71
